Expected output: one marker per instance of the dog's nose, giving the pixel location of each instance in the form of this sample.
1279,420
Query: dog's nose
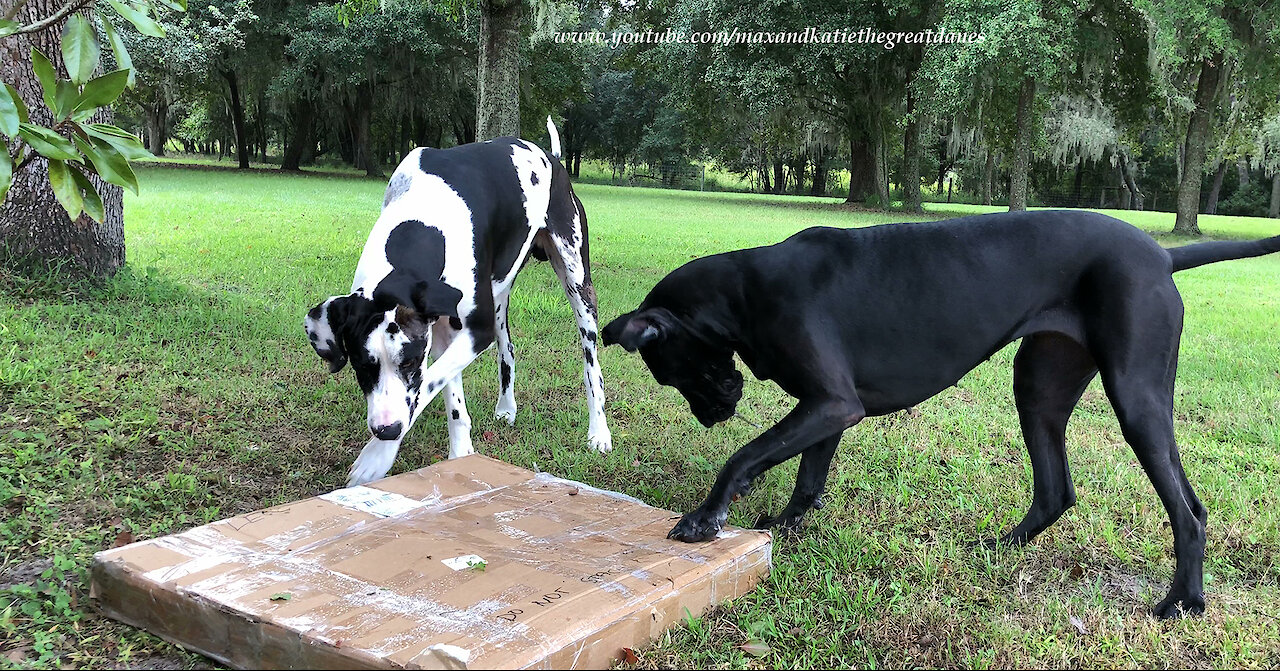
389,432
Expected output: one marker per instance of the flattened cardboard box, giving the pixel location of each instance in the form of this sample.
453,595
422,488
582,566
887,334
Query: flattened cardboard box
468,563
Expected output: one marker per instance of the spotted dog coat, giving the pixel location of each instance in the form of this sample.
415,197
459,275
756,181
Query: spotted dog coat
457,225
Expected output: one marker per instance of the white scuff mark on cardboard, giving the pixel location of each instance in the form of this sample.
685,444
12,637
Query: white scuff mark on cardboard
463,562
452,656
548,478
373,501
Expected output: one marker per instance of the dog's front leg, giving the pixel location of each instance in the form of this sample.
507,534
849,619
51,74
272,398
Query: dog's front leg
466,346
808,423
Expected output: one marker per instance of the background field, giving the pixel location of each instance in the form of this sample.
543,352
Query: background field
184,391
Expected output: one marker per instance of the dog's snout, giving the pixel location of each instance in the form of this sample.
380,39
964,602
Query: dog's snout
388,432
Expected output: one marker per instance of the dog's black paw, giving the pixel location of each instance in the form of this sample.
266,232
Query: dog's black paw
786,523
696,527
1176,606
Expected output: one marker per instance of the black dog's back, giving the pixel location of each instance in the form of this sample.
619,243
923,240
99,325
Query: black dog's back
916,306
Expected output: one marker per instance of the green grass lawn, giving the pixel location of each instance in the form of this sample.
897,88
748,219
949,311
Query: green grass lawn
184,392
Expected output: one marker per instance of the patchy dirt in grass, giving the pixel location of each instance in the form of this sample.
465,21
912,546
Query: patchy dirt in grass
23,572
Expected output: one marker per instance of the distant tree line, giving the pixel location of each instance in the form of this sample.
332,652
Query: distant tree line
1116,103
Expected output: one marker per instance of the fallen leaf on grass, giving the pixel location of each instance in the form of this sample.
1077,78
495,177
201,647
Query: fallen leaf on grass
281,596
488,436
18,655
1079,625
629,656
123,538
755,647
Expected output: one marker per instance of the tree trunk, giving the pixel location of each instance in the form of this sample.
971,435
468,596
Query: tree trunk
1274,211
237,118
35,232
303,112
862,170
779,180
1022,147
988,176
911,160
1078,183
498,76
1242,172
262,128
1211,204
1194,148
1125,194
881,169
1126,172
359,117
157,114
819,183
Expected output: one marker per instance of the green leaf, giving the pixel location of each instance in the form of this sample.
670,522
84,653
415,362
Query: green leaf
281,596
8,27
9,117
47,143
64,101
6,171
92,201
47,75
755,647
103,90
80,49
123,60
17,103
64,188
124,141
139,18
175,5
109,163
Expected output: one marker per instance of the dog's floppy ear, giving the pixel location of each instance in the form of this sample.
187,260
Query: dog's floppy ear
635,330
436,299
412,323
324,324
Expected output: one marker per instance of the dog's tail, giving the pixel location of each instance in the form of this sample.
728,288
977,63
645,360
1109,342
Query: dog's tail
1193,256
555,137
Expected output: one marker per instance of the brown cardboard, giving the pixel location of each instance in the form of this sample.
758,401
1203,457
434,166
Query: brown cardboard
571,575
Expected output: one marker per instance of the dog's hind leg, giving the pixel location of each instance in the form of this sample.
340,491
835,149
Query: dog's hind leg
1050,373
570,264
506,408
1139,360
811,480
455,404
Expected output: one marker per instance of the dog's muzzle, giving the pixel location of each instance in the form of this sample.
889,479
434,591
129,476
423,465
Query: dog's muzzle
389,432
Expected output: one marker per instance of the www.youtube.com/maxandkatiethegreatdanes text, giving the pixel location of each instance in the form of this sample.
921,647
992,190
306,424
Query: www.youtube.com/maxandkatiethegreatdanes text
886,39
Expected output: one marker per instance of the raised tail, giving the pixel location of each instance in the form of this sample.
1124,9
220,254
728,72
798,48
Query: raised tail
1193,256
555,137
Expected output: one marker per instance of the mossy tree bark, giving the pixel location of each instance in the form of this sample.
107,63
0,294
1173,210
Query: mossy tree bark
35,232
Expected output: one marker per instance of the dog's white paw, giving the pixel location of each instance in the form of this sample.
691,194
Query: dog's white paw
461,449
374,462
602,442
506,412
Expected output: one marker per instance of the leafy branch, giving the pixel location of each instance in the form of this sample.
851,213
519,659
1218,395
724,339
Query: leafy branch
74,147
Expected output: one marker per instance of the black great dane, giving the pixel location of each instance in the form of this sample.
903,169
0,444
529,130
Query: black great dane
865,322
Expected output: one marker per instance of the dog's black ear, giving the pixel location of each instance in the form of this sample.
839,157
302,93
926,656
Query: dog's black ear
634,331
325,324
436,299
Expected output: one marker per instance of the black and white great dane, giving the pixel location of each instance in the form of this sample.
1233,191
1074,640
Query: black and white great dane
864,322
456,227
